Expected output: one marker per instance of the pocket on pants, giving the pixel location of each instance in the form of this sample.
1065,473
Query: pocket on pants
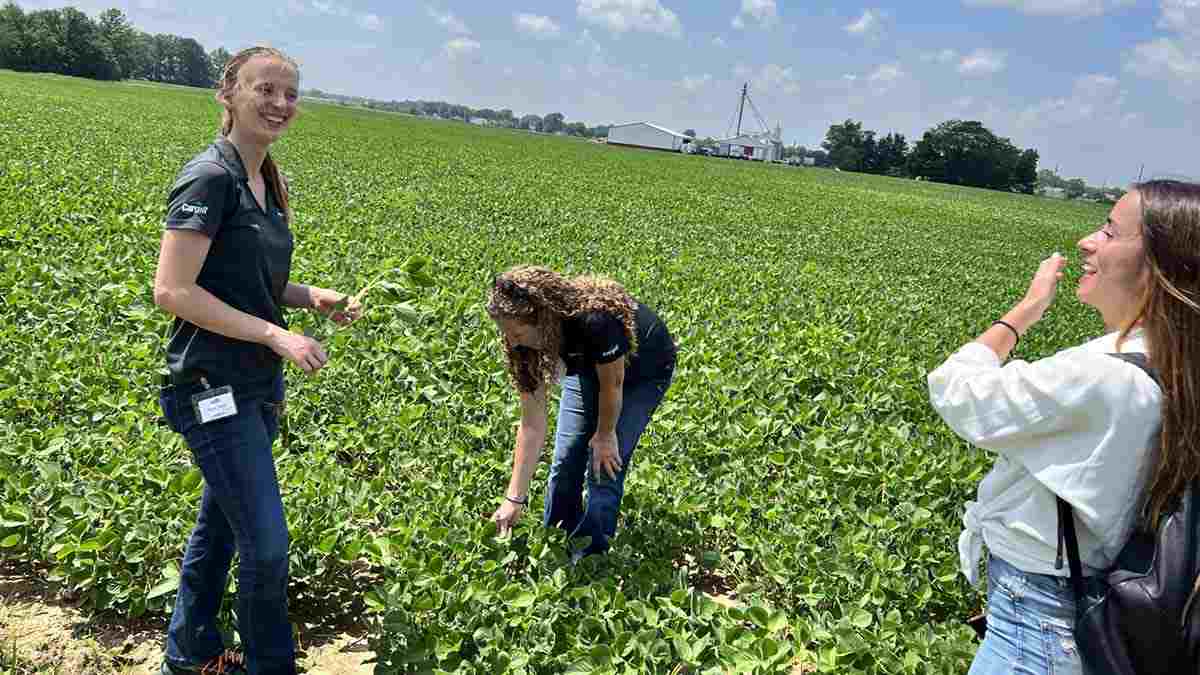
1062,653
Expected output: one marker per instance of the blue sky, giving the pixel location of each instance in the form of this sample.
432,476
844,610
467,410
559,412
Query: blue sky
1099,87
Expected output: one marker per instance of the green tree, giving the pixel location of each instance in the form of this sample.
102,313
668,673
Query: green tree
120,37
531,122
844,143
195,70
966,153
690,133
45,50
553,123
14,49
217,59
892,153
1025,176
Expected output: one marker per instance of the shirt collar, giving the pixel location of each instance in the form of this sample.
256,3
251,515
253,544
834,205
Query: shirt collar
229,154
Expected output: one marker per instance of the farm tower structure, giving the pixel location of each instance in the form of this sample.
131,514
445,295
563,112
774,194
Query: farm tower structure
765,145
648,135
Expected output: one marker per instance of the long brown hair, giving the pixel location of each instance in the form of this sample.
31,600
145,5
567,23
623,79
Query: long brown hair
543,298
225,88
1170,313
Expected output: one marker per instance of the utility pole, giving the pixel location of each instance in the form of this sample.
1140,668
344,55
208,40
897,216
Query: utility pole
741,107
1140,172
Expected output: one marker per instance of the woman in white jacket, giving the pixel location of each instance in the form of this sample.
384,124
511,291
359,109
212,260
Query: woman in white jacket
1081,424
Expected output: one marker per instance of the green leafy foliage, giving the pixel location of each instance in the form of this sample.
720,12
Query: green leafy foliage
794,503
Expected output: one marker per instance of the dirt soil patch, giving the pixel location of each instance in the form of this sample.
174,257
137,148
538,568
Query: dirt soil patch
41,632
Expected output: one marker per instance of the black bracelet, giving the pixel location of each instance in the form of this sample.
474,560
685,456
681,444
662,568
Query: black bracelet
518,501
1001,322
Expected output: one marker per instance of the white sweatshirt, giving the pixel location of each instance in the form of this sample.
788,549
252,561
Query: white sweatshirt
1079,424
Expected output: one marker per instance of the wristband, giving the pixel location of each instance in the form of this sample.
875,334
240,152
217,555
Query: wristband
1009,326
524,502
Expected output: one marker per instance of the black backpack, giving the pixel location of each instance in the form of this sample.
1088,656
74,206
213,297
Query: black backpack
1143,614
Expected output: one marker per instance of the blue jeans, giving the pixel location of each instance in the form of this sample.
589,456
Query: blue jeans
240,510
1030,624
578,414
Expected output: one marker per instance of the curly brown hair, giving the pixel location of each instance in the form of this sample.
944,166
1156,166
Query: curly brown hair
543,298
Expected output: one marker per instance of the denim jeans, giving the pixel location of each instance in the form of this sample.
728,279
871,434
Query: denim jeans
1030,624
240,510
578,414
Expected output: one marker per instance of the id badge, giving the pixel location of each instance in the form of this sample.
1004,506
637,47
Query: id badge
214,404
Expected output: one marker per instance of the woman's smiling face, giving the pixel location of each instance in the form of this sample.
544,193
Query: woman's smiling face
1114,269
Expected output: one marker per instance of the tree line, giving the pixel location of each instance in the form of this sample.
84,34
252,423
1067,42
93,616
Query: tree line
554,122
959,152
68,42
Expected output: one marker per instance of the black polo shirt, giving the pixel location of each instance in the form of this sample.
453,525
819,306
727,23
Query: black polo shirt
247,266
594,338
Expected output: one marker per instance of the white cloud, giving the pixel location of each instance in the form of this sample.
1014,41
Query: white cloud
370,22
330,8
461,48
1069,8
1096,85
983,62
885,78
773,77
888,72
1181,16
620,16
1094,97
365,20
537,26
1168,59
867,24
943,56
762,12
450,22
691,84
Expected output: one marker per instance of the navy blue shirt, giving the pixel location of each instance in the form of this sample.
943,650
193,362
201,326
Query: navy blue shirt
247,266
593,338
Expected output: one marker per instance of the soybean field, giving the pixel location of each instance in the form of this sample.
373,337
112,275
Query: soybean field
793,507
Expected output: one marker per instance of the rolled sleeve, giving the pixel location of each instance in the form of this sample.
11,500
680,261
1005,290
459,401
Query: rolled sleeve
199,198
1003,408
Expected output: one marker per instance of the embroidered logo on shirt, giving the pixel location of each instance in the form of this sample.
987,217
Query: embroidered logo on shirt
612,351
194,208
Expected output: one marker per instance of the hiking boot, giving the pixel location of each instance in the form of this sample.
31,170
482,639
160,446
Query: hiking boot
228,662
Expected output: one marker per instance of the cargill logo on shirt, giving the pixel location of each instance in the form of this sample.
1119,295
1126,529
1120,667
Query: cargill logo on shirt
194,209
611,351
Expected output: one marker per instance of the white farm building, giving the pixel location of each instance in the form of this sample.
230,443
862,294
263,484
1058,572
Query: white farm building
647,135
765,147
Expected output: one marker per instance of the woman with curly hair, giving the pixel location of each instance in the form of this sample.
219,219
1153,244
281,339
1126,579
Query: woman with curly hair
617,357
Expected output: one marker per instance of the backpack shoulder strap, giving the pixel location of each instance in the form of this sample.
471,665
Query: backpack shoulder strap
1140,360
1066,535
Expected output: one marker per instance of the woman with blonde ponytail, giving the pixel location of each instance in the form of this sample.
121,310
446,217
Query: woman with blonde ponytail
223,269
